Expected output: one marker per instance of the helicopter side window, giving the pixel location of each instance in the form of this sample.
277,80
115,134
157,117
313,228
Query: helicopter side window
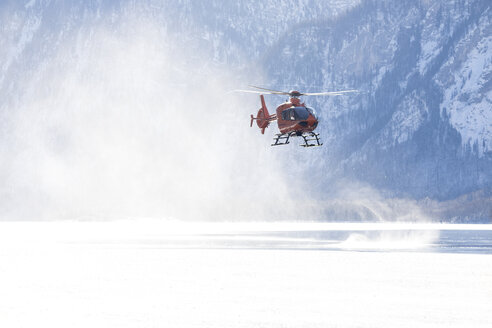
292,114
285,115
289,115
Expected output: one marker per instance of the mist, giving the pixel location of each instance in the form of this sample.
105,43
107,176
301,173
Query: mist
124,122
124,117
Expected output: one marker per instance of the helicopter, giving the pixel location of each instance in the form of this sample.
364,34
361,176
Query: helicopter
294,118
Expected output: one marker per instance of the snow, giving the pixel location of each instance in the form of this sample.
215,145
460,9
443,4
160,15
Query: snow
22,41
154,274
472,117
30,4
467,96
434,29
429,51
408,117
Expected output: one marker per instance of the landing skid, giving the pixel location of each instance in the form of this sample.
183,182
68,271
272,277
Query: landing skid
283,139
311,136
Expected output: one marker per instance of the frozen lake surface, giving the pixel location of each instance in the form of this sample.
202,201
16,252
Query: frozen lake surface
154,274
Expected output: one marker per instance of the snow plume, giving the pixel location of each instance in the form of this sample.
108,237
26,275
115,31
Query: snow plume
390,240
356,201
122,121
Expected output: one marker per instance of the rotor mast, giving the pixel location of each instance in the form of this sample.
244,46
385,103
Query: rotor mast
294,97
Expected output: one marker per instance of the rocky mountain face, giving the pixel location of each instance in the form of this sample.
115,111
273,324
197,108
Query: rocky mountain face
423,126
420,127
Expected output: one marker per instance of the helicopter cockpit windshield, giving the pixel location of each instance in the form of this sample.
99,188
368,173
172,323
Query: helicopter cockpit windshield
300,113
311,111
297,113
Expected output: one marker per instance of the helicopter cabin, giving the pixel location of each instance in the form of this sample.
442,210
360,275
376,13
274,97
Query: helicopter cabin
296,118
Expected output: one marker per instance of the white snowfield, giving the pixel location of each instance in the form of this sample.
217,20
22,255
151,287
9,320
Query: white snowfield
152,274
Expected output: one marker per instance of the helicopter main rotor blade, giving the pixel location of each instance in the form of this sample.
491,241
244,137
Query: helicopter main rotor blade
273,92
296,93
254,91
331,93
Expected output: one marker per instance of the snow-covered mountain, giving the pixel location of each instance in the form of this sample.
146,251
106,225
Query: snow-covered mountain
424,125
420,128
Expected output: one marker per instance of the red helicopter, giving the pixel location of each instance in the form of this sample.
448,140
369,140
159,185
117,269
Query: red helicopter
294,119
